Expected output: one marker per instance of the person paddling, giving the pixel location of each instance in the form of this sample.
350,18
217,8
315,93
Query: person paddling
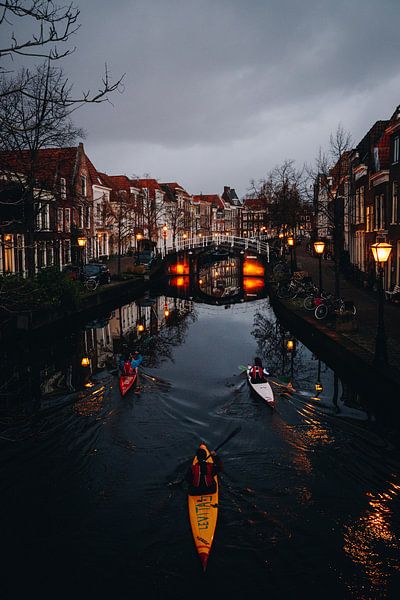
257,373
200,475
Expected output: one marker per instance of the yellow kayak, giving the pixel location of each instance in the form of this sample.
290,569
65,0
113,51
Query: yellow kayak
203,513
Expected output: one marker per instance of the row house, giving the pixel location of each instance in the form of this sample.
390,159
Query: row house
254,217
331,205
214,211
374,214
46,204
232,211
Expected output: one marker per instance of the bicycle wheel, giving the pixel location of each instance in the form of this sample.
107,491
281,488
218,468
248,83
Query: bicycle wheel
309,303
91,284
321,311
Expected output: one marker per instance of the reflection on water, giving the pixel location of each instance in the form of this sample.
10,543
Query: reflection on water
371,542
297,477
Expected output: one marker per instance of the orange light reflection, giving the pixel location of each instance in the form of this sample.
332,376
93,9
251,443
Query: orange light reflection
253,284
180,269
253,268
180,281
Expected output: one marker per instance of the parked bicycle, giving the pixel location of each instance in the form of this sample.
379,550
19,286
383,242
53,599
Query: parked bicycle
91,283
334,306
313,300
296,287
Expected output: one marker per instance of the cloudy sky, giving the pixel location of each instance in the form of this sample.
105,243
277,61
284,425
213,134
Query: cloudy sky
218,92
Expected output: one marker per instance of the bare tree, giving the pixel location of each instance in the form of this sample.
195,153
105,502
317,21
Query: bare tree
54,25
31,120
174,215
120,214
282,191
331,196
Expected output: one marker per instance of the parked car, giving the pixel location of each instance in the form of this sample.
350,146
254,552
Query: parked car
72,272
145,258
97,271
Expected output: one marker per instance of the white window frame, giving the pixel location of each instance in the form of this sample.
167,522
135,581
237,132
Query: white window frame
83,185
60,219
395,202
63,188
67,212
396,149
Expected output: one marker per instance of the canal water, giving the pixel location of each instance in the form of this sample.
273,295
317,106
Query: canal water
90,493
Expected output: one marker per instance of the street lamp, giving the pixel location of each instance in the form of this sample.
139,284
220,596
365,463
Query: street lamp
381,252
81,244
290,242
319,248
164,232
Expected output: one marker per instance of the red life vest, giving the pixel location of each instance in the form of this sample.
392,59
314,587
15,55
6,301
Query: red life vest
128,368
257,373
196,472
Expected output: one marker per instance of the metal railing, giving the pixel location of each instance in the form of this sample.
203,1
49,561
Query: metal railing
218,240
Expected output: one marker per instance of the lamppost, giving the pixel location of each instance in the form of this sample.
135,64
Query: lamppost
381,252
139,236
164,232
290,242
81,245
319,248
291,348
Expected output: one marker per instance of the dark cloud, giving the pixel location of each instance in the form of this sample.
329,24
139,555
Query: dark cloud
230,85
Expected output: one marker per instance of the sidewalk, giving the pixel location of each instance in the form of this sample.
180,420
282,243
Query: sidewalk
366,302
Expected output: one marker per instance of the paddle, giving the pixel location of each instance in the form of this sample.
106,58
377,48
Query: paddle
230,436
225,441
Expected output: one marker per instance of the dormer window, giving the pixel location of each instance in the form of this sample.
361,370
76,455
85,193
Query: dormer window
83,185
63,187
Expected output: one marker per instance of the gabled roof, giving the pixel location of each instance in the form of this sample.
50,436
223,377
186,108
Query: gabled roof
213,199
175,188
52,163
369,141
151,184
255,203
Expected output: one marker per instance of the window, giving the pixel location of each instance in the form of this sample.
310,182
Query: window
379,212
83,185
395,194
88,215
80,216
60,219
396,149
369,218
361,205
68,219
42,216
63,187
67,251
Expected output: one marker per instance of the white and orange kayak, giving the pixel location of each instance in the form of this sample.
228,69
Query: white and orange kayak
263,390
203,513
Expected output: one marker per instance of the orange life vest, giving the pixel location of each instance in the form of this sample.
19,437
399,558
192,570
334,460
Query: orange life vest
208,477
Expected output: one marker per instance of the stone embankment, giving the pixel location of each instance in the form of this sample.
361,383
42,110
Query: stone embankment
351,353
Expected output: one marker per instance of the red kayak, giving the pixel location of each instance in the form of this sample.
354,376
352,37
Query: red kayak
126,382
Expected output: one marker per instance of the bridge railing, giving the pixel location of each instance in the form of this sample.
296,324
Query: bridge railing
218,239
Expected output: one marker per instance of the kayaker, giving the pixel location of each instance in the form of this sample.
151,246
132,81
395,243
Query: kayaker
125,364
257,373
200,476
136,359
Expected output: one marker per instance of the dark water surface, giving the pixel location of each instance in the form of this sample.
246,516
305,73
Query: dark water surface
309,499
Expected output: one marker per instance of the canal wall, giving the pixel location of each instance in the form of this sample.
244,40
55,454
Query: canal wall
378,384
104,298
